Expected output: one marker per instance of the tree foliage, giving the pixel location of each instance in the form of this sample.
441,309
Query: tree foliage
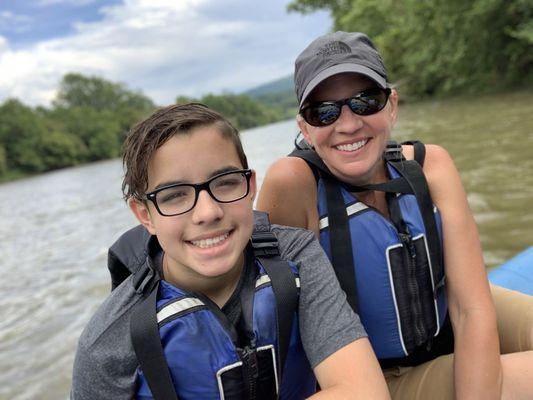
88,121
240,109
436,47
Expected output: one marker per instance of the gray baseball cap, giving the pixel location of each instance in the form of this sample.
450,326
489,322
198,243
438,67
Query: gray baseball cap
335,53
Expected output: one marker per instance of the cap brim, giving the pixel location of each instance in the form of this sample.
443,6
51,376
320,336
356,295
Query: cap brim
339,69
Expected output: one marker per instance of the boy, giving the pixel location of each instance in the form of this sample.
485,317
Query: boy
201,316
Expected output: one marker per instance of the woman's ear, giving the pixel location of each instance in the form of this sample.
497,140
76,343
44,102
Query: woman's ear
304,129
393,100
142,213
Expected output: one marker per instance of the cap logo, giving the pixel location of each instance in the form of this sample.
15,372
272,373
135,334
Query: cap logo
333,48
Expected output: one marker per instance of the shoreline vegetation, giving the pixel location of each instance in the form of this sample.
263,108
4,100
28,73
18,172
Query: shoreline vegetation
434,50
90,117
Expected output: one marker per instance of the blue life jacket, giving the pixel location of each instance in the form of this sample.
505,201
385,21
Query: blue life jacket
392,270
188,349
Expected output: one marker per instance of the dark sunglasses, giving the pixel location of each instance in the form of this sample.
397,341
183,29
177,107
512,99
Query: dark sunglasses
366,102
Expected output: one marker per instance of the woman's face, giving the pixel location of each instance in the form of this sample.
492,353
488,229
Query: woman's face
352,146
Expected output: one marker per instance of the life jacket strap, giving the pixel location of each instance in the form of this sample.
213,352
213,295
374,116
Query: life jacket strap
266,249
144,331
340,239
411,181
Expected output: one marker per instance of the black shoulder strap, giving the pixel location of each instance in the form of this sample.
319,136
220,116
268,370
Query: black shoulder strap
265,245
412,181
319,169
340,241
419,150
144,331
412,172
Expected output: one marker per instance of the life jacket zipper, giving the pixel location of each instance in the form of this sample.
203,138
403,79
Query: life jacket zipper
414,292
250,370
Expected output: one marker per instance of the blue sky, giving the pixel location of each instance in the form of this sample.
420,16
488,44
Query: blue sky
164,48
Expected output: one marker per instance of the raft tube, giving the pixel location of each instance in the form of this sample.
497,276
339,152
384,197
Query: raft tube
515,274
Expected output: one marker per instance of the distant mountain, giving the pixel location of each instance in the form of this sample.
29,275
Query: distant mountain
277,95
279,85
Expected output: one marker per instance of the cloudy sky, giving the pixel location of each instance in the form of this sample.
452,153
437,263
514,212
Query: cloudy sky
164,48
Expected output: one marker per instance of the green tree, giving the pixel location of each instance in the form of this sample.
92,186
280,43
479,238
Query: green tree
240,109
59,150
21,133
185,100
76,90
98,133
442,47
3,161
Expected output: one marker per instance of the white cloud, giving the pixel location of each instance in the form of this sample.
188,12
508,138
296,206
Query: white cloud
14,22
46,3
165,48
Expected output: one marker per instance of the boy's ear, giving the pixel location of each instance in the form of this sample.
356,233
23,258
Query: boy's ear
142,213
253,185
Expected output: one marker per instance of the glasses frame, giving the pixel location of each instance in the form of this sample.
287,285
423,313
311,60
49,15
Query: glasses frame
198,187
341,103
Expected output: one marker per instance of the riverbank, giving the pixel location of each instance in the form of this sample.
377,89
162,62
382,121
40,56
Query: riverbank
407,110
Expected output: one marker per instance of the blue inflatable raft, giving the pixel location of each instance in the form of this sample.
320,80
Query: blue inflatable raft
515,274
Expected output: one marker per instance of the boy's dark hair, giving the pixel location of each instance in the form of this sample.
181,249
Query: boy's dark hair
151,133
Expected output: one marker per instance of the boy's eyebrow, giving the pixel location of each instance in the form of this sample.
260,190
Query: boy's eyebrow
214,173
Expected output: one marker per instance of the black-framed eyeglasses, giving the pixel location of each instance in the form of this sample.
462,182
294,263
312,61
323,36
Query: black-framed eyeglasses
366,102
180,198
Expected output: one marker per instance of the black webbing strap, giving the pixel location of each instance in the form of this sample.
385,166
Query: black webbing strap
411,181
144,332
413,173
340,241
419,150
284,287
398,185
266,249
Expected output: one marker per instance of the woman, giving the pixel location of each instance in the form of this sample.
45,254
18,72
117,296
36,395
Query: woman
415,269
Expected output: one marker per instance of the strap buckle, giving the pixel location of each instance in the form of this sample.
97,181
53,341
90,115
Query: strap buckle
393,152
265,244
143,278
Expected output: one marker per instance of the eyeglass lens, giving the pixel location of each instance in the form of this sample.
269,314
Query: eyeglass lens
225,188
325,113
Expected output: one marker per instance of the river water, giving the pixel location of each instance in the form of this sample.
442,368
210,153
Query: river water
56,228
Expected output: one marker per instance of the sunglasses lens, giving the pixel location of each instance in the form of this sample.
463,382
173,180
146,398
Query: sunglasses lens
322,114
369,102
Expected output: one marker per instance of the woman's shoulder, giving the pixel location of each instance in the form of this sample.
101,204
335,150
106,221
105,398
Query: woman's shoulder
292,171
437,162
288,192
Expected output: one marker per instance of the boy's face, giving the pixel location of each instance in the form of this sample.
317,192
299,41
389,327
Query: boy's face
190,258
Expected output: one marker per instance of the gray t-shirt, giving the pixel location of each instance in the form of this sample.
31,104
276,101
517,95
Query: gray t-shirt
105,364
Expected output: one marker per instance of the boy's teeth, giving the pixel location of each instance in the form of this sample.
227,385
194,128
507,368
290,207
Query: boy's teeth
351,146
205,243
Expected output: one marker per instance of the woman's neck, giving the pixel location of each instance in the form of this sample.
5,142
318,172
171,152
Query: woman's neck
375,198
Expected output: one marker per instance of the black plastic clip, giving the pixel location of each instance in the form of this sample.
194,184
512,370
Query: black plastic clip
265,244
393,152
144,278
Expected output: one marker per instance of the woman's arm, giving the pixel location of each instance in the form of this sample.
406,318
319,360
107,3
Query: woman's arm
332,335
352,372
477,367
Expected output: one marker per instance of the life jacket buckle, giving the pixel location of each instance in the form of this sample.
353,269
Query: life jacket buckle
393,152
143,278
265,244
